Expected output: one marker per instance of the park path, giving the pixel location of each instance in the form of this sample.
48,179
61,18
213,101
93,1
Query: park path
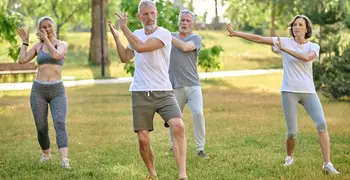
71,83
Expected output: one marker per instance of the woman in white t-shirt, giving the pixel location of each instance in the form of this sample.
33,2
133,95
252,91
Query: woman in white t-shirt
297,86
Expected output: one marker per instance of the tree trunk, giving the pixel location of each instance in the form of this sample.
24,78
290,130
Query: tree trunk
58,31
216,24
273,19
95,40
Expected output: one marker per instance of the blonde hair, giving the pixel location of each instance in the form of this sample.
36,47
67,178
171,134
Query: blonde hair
46,18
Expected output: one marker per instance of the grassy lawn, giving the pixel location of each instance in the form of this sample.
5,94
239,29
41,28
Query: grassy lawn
239,54
245,135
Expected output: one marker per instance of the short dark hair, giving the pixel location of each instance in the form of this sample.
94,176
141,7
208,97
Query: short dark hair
307,22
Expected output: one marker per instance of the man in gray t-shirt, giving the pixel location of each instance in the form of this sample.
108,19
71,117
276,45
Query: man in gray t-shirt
184,77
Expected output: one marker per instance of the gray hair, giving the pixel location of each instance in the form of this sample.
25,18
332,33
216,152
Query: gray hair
44,19
185,11
146,3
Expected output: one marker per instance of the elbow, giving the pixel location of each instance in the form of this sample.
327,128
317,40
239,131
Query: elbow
56,56
20,62
308,58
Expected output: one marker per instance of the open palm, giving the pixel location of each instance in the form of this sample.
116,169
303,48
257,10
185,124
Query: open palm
113,29
23,34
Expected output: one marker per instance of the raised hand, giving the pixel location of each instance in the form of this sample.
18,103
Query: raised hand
114,30
123,20
279,44
41,34
24,35
230,30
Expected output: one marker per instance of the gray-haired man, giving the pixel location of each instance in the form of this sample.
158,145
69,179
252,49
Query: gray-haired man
184,77
151,88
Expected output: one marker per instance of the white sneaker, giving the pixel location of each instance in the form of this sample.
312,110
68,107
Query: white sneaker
329,168
289,161
45,157
65,163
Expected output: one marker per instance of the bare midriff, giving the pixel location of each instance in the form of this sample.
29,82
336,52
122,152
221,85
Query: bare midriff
49,72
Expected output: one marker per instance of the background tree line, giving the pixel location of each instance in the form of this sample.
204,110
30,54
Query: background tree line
331,18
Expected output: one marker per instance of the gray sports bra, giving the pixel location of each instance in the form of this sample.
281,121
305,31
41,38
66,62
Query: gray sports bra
45,58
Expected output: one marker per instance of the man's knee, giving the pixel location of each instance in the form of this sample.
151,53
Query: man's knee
197,112
143,138
177,126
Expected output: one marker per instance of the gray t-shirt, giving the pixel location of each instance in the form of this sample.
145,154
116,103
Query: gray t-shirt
183,65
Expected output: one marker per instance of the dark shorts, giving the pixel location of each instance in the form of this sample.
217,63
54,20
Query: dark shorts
145,104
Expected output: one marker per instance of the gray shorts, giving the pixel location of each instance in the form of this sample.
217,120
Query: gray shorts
146,103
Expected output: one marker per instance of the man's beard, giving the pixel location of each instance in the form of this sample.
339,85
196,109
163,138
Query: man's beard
150,27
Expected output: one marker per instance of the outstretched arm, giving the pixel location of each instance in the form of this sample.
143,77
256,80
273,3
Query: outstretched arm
139,46
125,54
249,37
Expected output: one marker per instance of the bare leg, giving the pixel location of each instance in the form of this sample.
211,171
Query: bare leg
323,139
178,129
290,144
146,151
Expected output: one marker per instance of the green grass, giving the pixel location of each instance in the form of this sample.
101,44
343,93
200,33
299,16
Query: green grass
245,135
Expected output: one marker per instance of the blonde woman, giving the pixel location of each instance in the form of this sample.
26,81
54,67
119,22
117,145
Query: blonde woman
48,89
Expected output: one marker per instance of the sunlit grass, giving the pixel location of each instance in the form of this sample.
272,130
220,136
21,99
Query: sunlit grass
245,135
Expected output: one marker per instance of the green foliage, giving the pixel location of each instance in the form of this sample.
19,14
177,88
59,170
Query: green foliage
330,16
130,68
208,58
257,13
8,25
167,18
332,75
63,12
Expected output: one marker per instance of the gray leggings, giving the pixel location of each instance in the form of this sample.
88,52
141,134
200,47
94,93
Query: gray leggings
312,105
53,94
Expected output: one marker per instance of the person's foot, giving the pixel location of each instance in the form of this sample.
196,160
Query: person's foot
329,168
288,161
170,150
202,154
148,177
65,163
45,157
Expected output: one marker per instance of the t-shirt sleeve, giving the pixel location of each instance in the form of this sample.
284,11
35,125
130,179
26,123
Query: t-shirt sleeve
284,41
316,48
130,47
197,40
164,36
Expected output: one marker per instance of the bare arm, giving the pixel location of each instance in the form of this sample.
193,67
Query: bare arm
24,56
311,55
58,53
139,46
125,54
184,46
249,37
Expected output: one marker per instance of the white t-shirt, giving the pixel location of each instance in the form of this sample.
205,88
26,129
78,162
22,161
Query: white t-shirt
297,74
151,68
